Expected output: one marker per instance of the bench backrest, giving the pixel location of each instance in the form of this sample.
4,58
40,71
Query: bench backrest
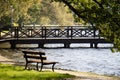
34,55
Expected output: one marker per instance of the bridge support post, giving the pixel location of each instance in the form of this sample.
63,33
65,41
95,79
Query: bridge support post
91,45
40,45
96,45
13,45
66,45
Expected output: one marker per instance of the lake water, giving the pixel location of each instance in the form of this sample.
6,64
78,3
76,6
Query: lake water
100,61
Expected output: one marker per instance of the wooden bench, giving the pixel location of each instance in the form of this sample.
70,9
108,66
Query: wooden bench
37,57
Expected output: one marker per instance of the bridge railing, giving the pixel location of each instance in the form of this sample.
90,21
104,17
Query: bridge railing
6,34
45,32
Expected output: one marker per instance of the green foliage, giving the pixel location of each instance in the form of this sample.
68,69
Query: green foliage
35,12
5,20
9,72
50,13
104,14
16,9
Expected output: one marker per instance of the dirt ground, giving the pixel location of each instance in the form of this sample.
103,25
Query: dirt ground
14,58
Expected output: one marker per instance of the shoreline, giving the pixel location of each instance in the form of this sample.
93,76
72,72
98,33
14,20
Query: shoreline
85,75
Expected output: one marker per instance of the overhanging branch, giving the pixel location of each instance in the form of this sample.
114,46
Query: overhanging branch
100,5
74,10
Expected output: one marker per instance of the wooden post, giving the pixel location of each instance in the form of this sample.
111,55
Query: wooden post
71,32
94,32
42,32
95,45
16,33
91,45
13,45
0,33
40,45
66,45
67,32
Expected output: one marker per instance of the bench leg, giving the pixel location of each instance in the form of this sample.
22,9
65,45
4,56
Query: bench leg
26,65
37,66
53,67
41,67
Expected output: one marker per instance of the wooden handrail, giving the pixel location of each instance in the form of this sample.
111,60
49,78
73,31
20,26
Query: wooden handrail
45,32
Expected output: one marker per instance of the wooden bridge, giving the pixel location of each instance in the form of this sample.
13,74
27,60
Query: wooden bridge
52,34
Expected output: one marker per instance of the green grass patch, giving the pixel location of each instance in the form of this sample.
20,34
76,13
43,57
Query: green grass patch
10,72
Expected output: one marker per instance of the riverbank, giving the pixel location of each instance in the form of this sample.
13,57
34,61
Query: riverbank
15,57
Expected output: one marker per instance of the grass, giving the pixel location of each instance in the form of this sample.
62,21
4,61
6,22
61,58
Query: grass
10,72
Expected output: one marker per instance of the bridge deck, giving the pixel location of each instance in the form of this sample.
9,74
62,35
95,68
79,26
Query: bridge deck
66,42
43,35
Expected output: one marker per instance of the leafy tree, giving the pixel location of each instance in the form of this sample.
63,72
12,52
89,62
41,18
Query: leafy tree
16,9
34,12
104,14
50,13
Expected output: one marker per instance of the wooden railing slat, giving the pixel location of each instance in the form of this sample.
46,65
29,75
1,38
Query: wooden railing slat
49,32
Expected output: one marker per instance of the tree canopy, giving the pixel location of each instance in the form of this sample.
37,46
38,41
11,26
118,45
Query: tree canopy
50,13
104,14
34,12
15,10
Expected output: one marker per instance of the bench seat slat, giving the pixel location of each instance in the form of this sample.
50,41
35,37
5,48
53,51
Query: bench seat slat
37,57
33,52
48,62
34,61
44,62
